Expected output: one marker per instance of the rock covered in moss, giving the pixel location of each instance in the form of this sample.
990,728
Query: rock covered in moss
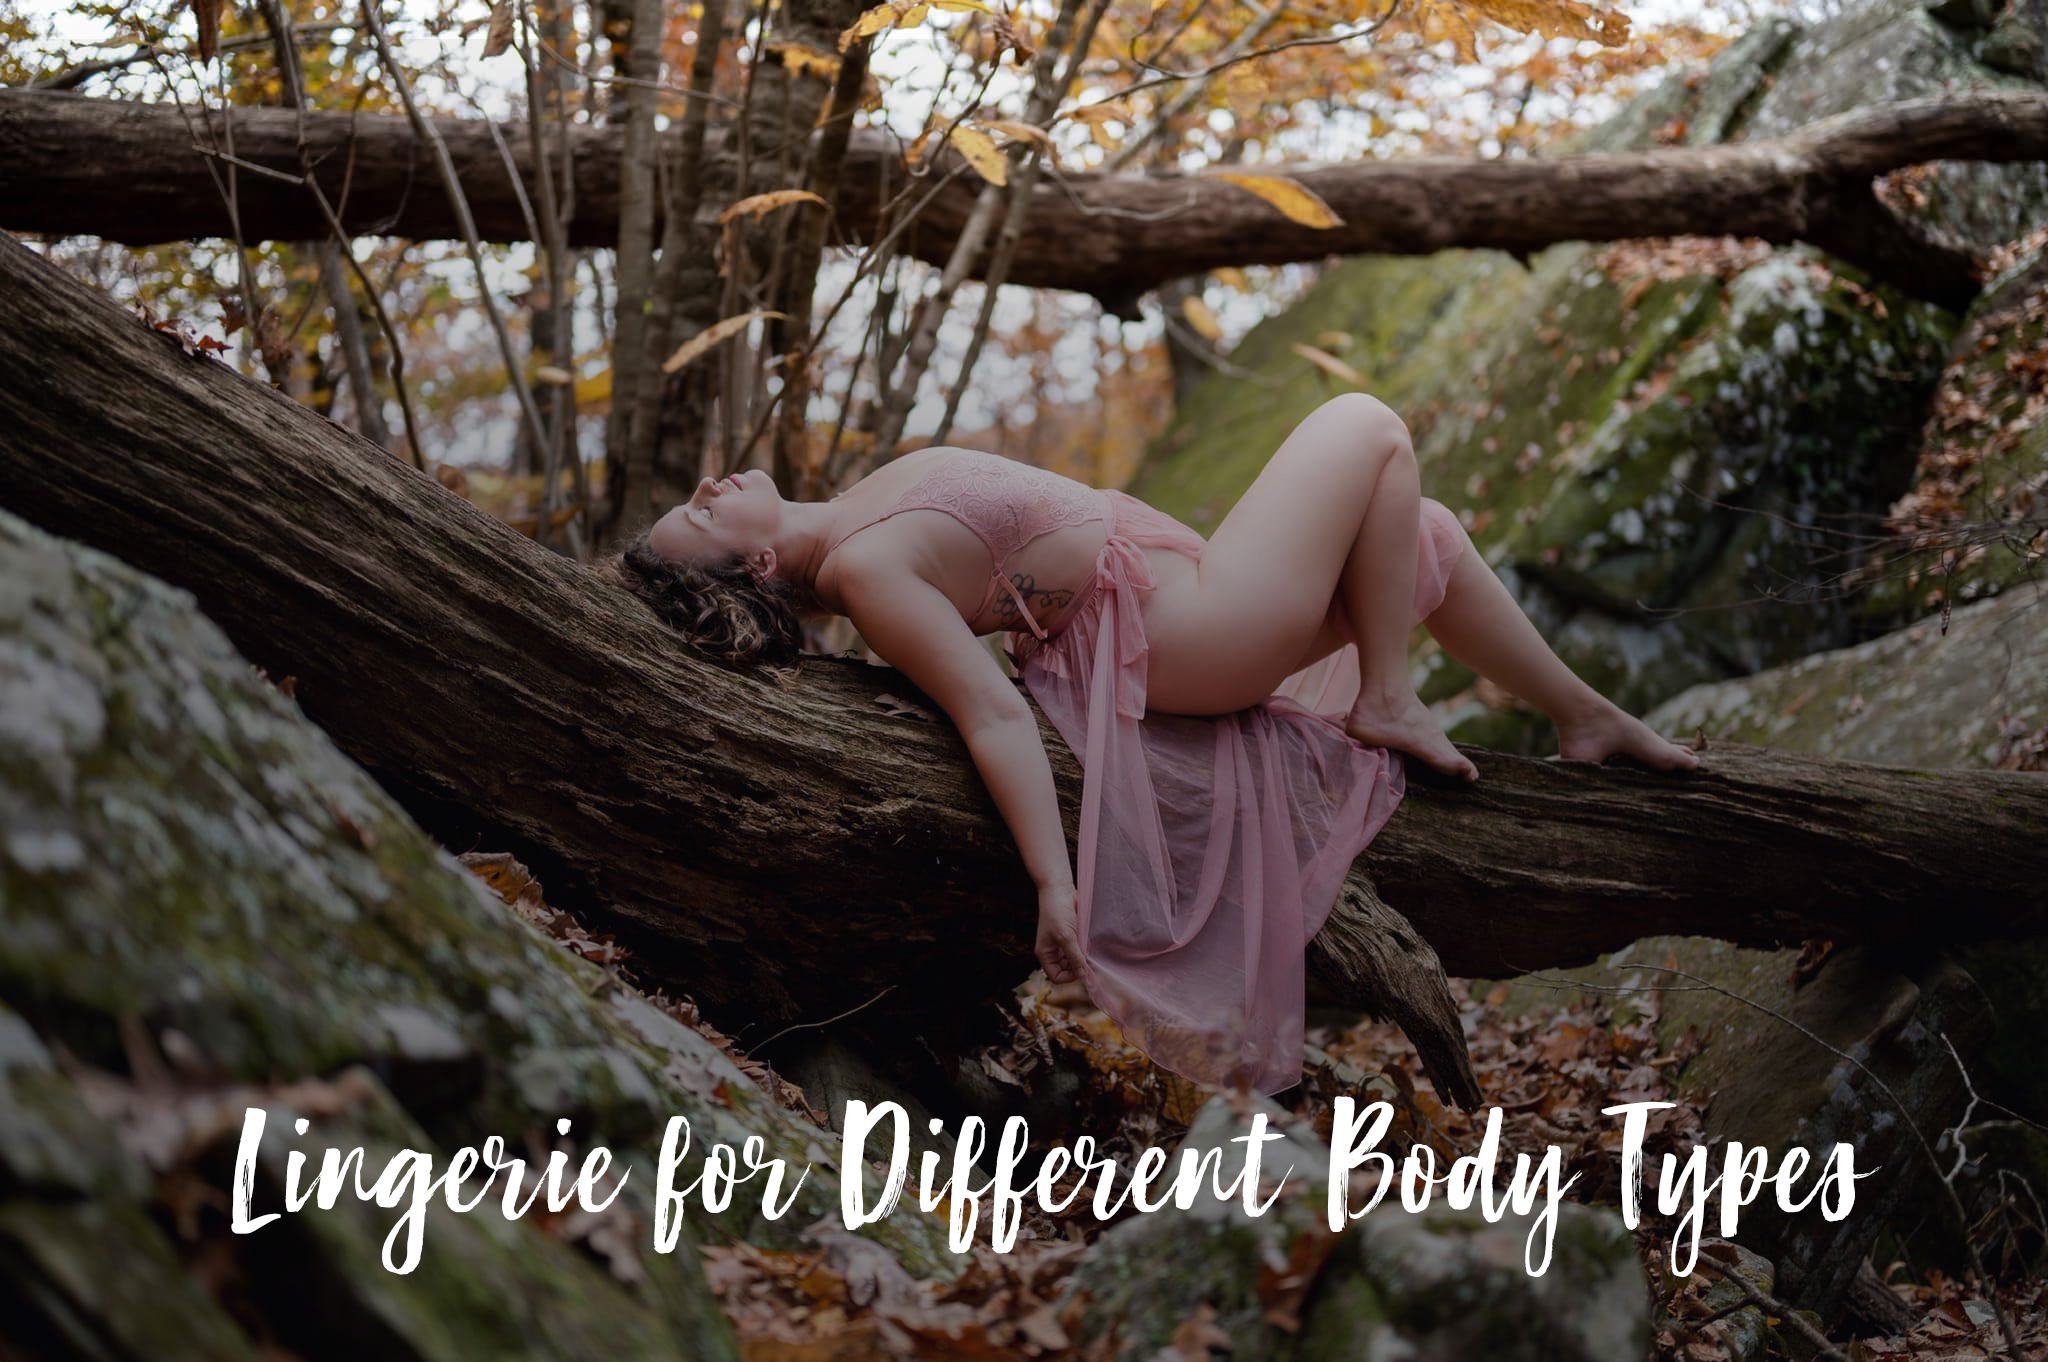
1974,521
1440,1284
1867,1058
1919,696
204,906
1655,444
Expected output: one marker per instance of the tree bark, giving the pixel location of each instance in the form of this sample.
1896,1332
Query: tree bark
788,854
130,172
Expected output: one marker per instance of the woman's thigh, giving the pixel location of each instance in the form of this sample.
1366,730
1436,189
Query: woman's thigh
1258,608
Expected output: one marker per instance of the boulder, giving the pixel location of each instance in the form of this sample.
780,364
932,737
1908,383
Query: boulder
204,907
1438,1284
1654,444
1974,521
1873,1047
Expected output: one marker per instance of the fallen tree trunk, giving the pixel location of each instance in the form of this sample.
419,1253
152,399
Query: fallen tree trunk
787,854
141,173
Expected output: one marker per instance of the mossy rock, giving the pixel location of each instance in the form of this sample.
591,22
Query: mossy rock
1921,699
1442,1284
1654,446
1919,696
188,865
1981,485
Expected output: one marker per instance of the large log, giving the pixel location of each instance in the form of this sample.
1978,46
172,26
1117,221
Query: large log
790,853
141,173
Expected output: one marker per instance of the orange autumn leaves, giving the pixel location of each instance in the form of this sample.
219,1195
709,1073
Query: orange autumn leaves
1447,20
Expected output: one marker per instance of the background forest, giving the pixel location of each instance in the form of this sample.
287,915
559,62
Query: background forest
1724,329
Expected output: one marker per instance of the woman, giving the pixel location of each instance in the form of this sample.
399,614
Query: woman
1209,852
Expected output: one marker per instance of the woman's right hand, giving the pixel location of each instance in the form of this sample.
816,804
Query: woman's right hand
1059,940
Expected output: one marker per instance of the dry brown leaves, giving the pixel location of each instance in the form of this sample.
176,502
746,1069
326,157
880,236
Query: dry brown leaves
1957,1323
1643,263
850,1301
1953,515
1550,1069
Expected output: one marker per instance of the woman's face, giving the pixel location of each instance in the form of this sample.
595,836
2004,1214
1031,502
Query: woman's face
740,514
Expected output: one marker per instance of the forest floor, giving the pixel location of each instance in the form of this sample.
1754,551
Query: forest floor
1549,1069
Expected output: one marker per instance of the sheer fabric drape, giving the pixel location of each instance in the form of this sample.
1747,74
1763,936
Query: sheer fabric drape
1210,850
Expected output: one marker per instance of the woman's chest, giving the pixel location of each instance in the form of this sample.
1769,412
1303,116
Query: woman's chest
1043,578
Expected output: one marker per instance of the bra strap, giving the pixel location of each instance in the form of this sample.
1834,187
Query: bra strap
1023,607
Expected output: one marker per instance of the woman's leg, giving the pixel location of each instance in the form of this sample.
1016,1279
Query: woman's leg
1336,509
1480,625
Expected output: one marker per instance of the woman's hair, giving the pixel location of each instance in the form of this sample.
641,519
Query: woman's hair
721,605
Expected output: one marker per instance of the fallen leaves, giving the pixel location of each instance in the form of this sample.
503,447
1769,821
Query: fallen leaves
850,1299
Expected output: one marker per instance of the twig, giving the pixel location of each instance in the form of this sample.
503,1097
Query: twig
1166,77
348,329
1178,105
921,338
562,397
78,75
1777,1309
251,312
1022,180
757,1046
427,133
281,20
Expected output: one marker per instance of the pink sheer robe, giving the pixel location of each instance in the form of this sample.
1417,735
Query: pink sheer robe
1211,850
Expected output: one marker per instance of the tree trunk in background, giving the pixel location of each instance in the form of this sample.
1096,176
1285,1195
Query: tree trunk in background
788,854
629,470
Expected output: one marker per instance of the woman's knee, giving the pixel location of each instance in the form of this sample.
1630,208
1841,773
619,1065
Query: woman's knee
1370,428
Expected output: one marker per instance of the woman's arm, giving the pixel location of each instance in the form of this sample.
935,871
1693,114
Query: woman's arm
910,623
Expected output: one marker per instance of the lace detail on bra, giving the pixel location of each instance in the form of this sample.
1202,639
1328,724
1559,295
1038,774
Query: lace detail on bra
1006,503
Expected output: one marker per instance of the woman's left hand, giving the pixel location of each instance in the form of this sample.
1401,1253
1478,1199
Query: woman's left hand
1059,941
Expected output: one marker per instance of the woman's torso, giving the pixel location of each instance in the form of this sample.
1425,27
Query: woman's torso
988,516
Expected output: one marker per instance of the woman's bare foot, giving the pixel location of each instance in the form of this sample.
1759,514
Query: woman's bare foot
1613,730
1407,725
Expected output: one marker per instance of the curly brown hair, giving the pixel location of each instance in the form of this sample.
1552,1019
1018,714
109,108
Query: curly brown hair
721,605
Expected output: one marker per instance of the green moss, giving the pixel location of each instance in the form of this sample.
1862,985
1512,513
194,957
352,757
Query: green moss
98,1280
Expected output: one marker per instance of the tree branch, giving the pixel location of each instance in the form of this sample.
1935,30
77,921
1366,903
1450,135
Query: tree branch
782,854
1106,234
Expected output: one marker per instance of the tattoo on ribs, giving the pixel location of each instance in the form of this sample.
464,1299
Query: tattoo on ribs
1052,598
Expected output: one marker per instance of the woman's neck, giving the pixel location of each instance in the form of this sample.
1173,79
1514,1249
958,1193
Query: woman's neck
805,539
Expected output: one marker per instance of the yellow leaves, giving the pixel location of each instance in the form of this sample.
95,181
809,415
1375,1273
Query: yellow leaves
1232,277
1329,364
1300,203
981,153
1572,19
695,346
593,390
1019,132
1096,114
1202,318
902,14
869,24
806,61
757,204
1576,20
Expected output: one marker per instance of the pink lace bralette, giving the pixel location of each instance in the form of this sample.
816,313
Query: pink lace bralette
1006,503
